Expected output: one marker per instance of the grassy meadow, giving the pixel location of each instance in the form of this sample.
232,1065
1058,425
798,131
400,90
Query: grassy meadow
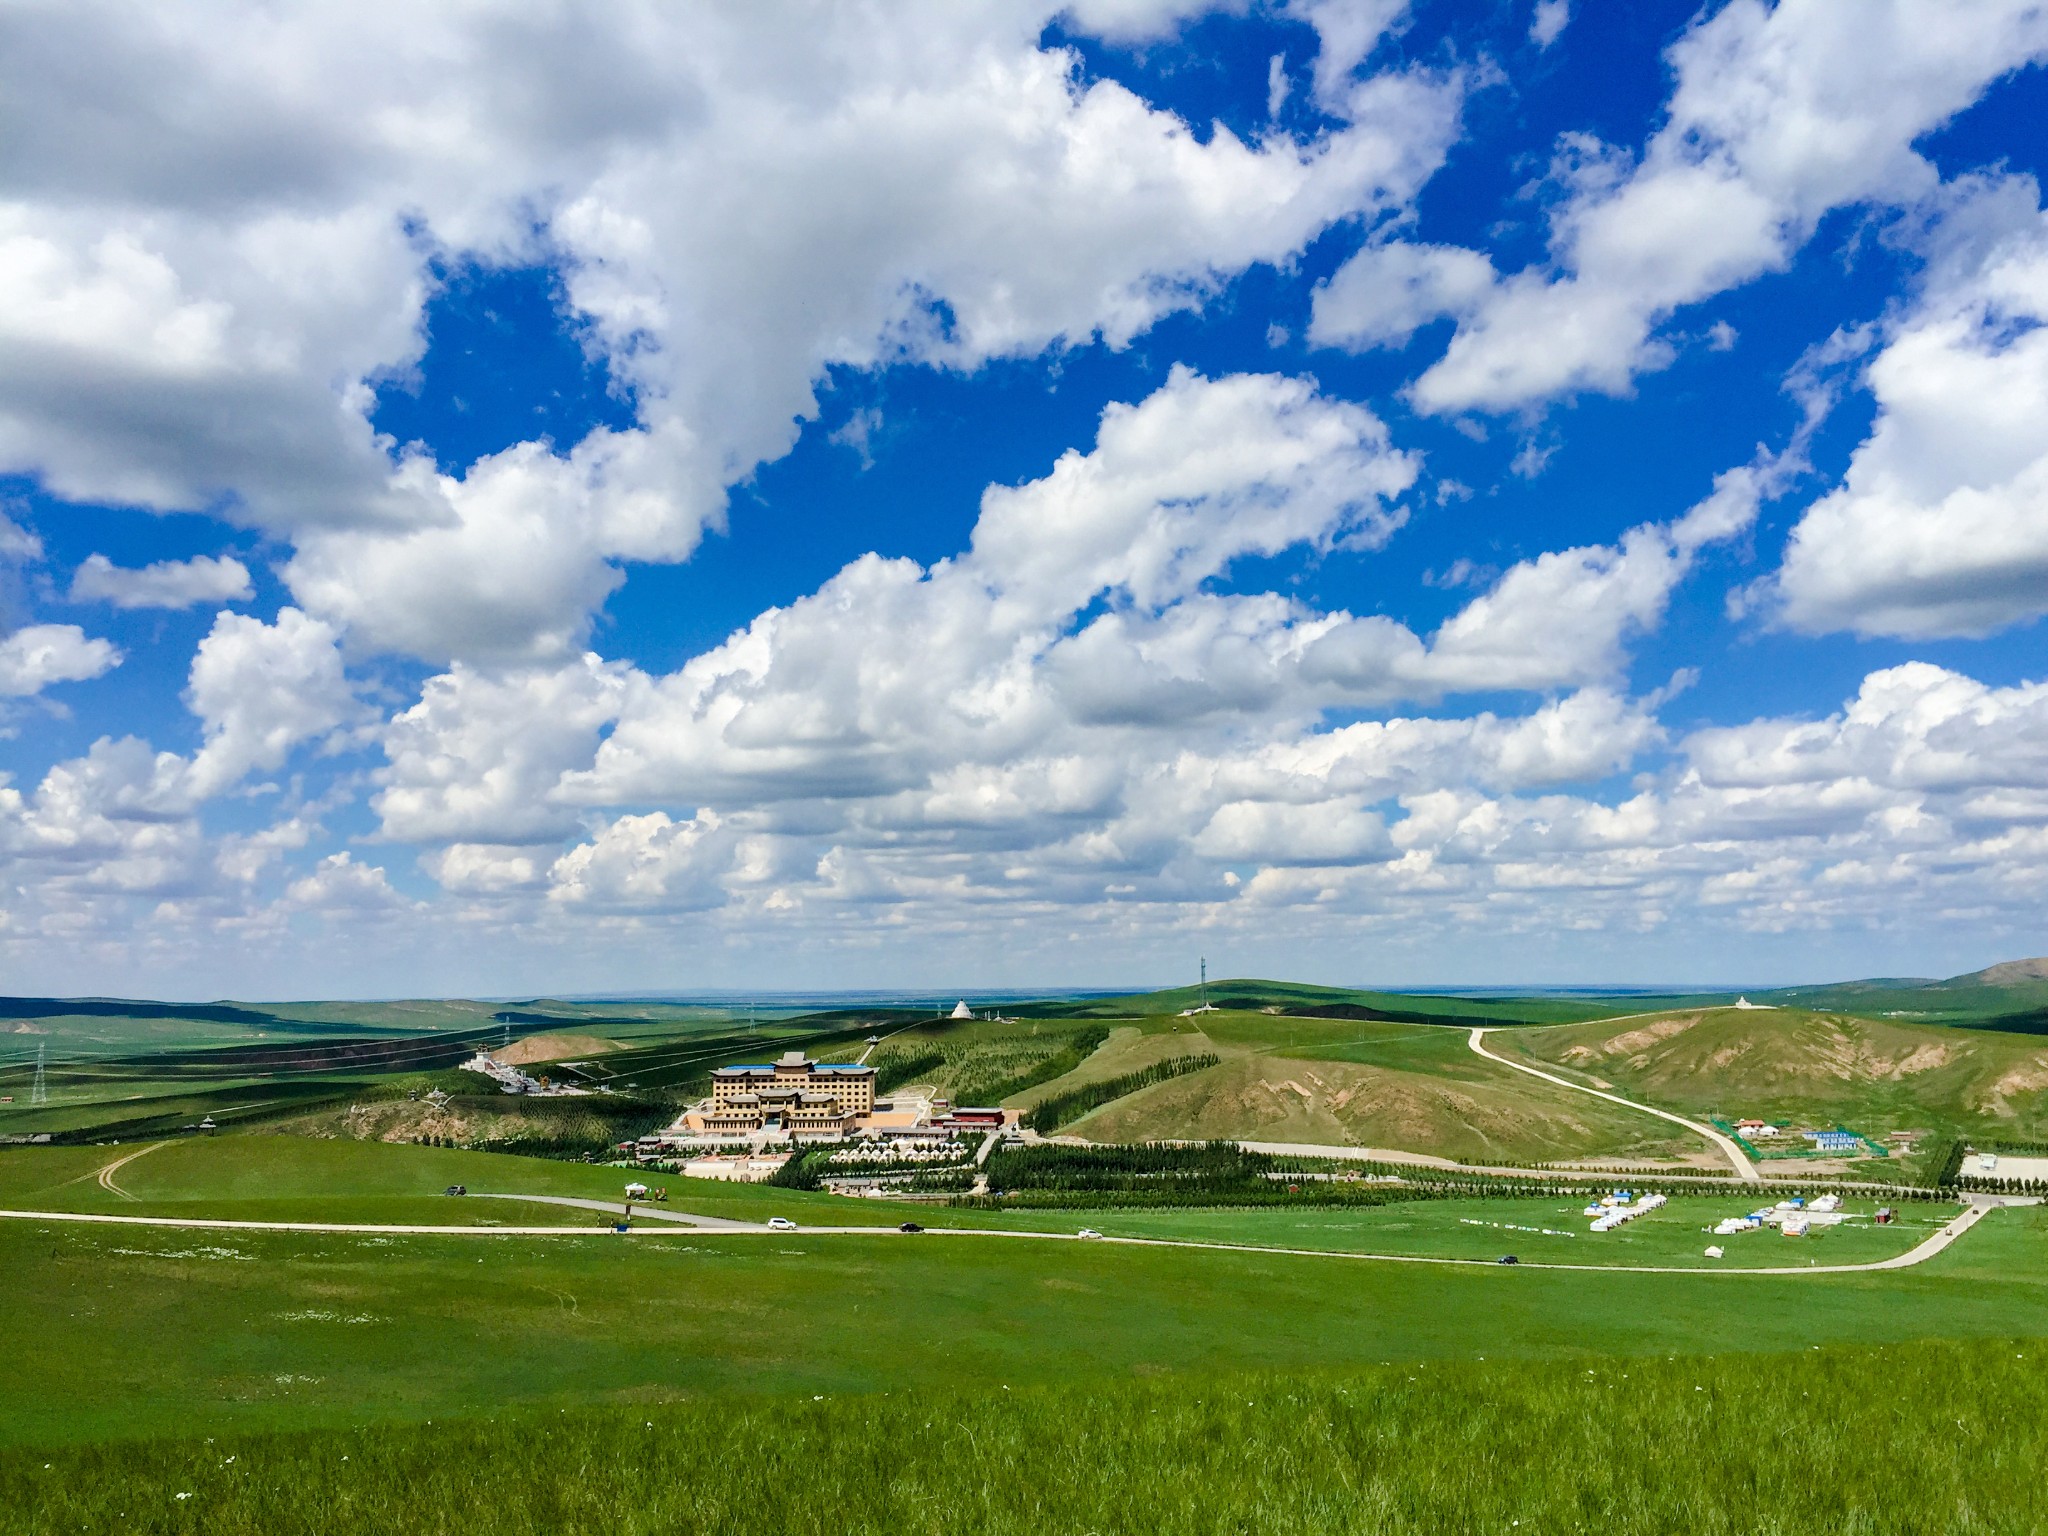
143,1331
576,1380
1896,1441
282,1178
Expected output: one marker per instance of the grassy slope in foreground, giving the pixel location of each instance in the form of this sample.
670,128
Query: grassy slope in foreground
281,1178
1918,1438
1874,1074
135,1332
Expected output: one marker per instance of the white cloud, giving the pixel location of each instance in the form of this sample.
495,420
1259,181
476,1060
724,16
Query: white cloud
482,869
339,884
1939,526
220,230
33,658
1774,120
647,862
165,584
246,857
1141,21
18,543
1381,296
261,689
969,660
1548,21
474,760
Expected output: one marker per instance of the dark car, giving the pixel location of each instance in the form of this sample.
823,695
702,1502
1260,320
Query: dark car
1507,1258
458,1189
910,1226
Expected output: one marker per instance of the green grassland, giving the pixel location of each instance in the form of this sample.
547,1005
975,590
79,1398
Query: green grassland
262,1178
136,1331
288,1180
1536,1230
1910,1439
1874,1075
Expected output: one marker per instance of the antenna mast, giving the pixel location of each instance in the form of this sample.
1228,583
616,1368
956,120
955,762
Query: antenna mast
39,1095
1205,981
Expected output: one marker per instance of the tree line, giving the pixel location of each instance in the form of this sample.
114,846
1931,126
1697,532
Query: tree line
1062,1108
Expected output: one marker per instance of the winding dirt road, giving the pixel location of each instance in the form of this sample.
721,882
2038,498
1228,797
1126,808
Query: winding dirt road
1744,1168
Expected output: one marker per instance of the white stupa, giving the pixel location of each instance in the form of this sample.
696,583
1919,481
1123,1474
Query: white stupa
961,1010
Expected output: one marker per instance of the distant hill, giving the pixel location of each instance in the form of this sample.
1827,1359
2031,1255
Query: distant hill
2011,973
1819,1067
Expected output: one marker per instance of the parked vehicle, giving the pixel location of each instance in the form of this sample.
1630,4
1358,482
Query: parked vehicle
1507,1258
1088,1232
781,1224
910,1226
458,1189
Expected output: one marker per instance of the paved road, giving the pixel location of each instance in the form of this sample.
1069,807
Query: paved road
1919,1254
1744,1168
641,1210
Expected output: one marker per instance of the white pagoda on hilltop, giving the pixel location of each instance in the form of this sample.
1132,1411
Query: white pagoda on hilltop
961,1010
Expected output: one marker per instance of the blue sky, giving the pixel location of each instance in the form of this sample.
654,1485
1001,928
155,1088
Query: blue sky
623,498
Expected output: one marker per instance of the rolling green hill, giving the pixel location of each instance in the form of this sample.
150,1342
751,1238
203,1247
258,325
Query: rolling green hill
1414,1088
1815,1068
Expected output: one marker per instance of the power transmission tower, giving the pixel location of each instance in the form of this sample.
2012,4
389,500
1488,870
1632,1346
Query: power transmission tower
1205,981
39,1095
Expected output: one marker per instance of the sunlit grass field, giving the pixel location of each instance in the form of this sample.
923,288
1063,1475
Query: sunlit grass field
1537,1230
1934,1438
287,1179
131,1331
282,1178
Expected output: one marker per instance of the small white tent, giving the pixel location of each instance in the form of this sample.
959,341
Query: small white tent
961,1010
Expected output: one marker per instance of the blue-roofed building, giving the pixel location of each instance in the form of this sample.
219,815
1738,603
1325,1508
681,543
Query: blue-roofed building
1834,1141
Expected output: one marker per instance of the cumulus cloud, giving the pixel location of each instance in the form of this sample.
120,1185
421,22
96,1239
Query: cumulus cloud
18,543
219,234
1381,296
964,661
33,658
646,862
473,761
909,725
165,584
261,689
1774,120
339,884
1939,528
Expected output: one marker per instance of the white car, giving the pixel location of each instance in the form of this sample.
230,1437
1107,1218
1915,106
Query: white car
1088,1232
781,1224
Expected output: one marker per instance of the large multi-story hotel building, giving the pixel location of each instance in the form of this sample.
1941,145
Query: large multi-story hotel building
795,1096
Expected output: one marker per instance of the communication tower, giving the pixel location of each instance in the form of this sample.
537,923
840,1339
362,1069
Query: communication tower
39,1095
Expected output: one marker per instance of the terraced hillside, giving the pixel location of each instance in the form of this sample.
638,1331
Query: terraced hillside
1877,1075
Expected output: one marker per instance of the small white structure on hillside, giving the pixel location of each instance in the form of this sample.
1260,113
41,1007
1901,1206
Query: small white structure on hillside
961,1010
